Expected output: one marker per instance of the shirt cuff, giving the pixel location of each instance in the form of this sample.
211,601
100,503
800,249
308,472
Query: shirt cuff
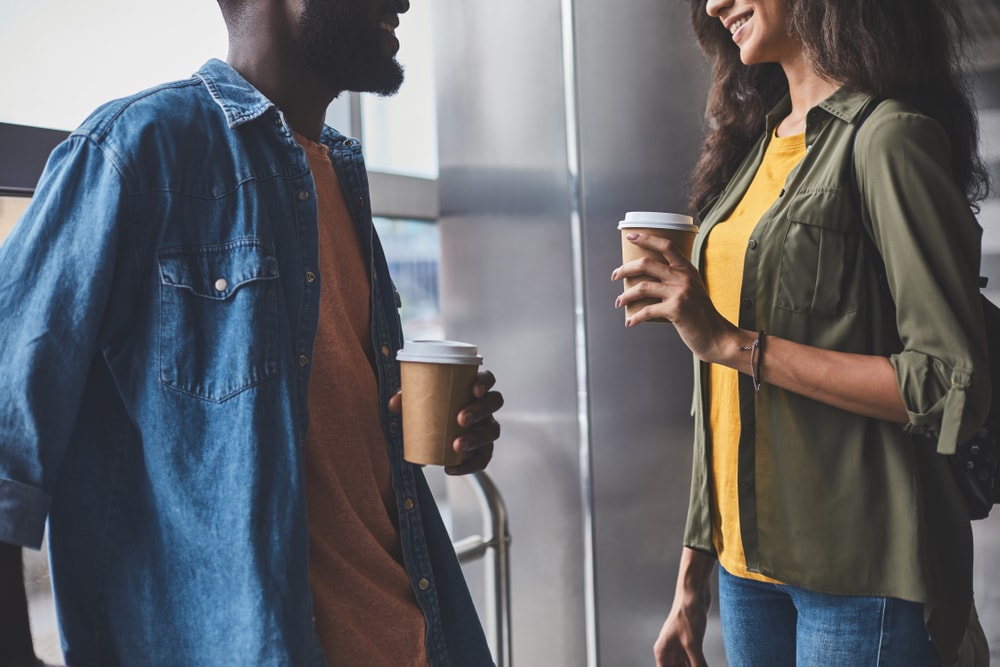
23,510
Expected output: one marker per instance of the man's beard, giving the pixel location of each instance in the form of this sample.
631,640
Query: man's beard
338,46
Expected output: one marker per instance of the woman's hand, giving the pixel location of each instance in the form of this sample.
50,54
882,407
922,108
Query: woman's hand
859,383
681,637
683,633
681,299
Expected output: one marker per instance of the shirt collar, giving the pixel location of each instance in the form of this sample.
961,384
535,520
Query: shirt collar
846,103
242,103
239,100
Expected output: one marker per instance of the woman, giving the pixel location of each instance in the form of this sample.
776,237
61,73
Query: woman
827,387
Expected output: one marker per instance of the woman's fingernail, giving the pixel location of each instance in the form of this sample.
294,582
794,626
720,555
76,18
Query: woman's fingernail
632,237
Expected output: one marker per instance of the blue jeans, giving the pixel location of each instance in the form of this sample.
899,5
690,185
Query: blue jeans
772,625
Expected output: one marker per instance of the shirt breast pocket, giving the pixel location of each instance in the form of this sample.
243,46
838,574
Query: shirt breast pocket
218,318
819,269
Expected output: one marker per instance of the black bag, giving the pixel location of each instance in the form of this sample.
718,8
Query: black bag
976,462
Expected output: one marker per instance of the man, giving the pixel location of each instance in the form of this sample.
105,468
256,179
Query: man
195,259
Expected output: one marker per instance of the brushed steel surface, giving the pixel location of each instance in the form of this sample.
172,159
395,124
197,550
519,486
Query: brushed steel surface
532,185
509,155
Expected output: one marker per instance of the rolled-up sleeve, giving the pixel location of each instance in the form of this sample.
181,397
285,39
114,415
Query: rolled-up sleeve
23,510
930,243
56,271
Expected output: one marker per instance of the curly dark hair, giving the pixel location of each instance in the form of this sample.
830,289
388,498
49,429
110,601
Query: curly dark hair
910,50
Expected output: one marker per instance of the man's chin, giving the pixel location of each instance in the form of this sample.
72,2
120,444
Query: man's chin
384,83
370,73
388,90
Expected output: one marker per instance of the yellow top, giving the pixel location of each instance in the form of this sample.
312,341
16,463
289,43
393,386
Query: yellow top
723,273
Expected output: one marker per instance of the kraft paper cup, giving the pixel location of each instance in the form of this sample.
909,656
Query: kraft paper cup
437,378
678,228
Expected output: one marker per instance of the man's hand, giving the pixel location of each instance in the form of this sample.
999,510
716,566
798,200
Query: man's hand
476,443
476,418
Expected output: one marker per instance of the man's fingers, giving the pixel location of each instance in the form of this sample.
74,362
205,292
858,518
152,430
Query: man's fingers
481,410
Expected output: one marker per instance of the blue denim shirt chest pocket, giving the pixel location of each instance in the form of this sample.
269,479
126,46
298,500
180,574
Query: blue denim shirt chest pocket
218,317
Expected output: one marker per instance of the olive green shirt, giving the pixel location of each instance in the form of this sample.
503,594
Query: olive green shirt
829,500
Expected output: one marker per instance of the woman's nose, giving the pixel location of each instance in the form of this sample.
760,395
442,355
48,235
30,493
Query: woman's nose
716,7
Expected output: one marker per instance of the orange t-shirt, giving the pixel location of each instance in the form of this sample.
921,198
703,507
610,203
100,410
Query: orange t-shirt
723,271
366,611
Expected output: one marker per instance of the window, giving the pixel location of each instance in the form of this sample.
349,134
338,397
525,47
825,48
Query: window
61,59
400,133
11,209
115,58
413,249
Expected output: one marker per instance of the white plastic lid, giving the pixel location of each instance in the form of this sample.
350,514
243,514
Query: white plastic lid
440,352
657,220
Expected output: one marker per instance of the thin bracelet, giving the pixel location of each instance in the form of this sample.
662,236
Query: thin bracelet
756,350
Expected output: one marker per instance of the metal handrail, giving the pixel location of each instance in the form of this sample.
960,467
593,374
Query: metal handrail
494,545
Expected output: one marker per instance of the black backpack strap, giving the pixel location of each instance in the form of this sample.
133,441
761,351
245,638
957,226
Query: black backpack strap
876,256
870,106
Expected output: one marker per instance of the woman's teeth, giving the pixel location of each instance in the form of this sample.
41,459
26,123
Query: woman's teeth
738,24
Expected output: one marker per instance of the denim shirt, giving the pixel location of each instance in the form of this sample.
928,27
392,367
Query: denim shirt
158,305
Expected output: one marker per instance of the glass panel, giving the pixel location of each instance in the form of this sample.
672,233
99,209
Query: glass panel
86,58
338,115
11,209
400,132
989,215
413,249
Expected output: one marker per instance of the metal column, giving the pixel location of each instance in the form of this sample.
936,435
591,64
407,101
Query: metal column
555,117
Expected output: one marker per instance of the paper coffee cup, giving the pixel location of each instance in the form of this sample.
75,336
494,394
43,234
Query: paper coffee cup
437,378
678,228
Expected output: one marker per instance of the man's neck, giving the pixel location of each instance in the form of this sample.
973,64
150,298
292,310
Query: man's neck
302,99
